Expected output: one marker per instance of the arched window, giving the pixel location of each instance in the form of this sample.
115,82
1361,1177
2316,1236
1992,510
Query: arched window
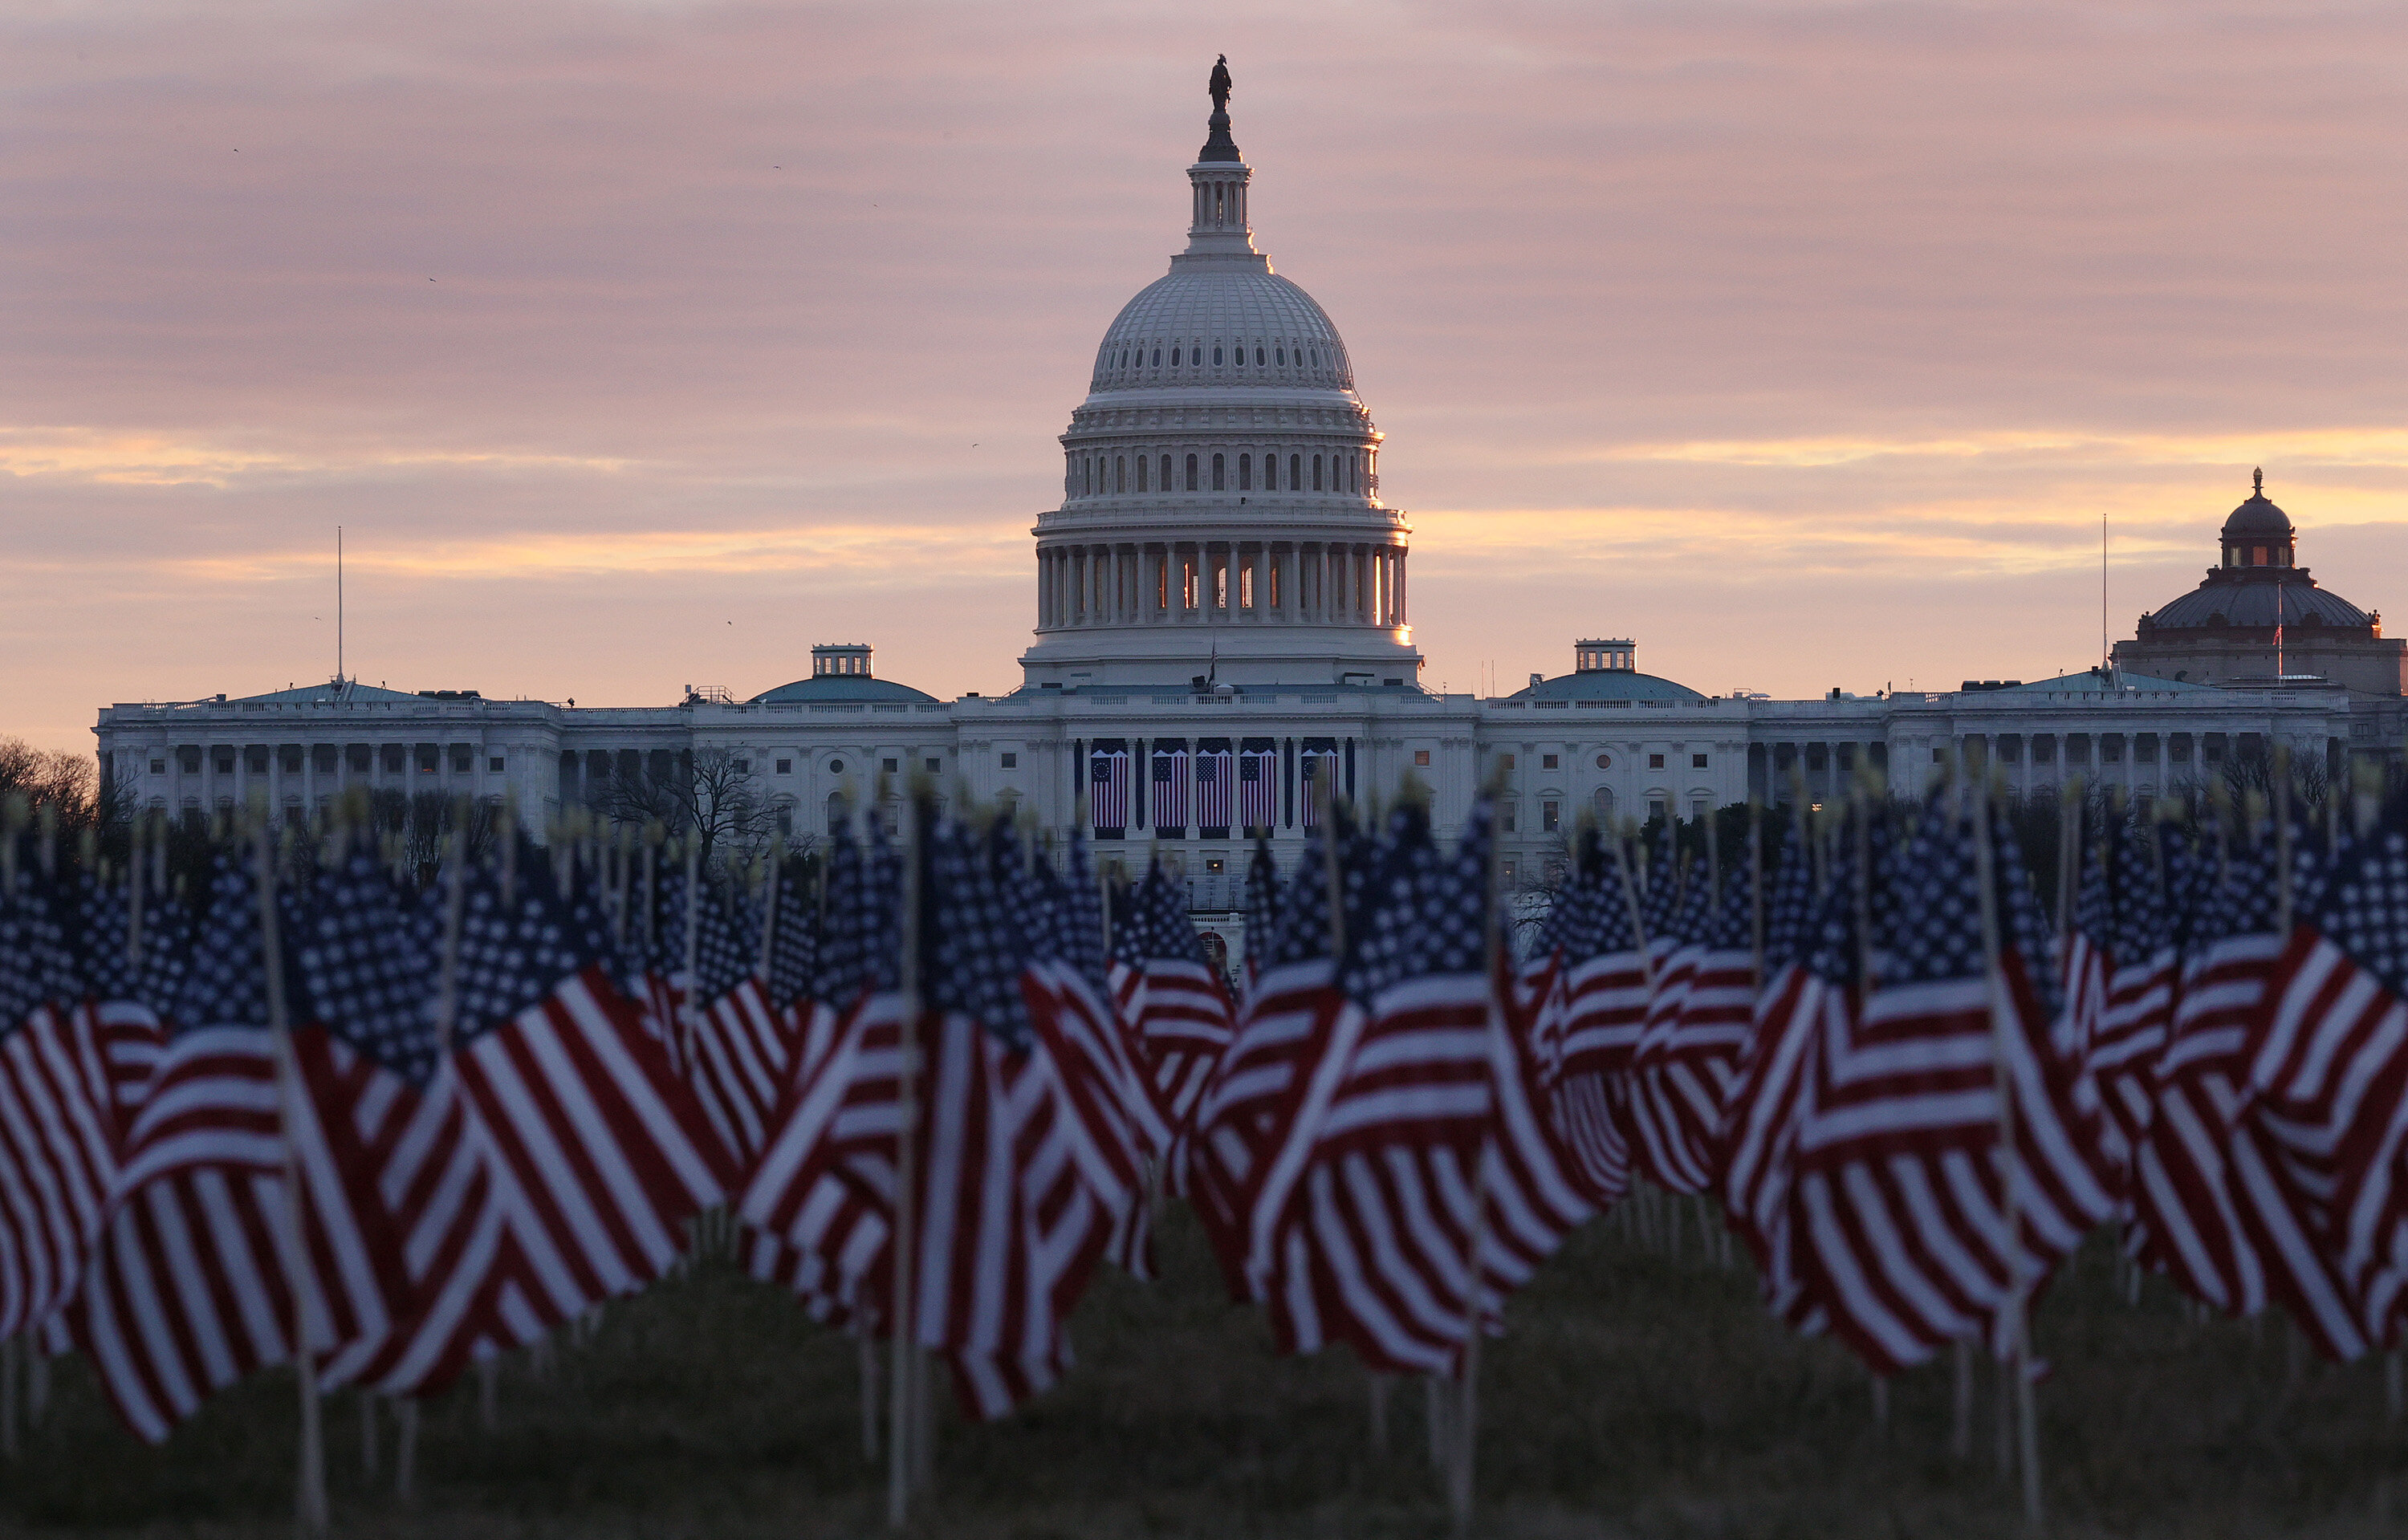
836,811
1157,358
1354,473
1245,473
1140,473
1258,358
1604,802
1191,472
1220,483
1120,472
1165,472
1270,473
1086,475
1316,473
1295,473
1279,356
1174,357
1216,358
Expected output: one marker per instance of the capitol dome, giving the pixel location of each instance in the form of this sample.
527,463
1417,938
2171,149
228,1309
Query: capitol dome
1221,517
2258,518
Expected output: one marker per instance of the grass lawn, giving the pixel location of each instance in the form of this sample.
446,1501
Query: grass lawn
1634,1393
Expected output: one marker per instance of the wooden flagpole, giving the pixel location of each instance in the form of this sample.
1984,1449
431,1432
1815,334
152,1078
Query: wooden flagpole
310,1504
2002,1078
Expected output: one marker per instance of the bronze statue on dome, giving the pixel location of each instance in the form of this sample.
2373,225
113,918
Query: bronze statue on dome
1218,87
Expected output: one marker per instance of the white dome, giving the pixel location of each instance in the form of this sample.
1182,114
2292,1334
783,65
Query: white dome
1224,325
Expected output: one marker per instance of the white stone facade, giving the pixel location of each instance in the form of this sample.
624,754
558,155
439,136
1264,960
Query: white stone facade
1271,572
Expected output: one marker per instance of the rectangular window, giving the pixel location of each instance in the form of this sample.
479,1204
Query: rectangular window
1010,761
430,759
893,765
1421,756
1506,819
1697,762
1549,761
743,767
254,759
463,759
1215,866
1655,807
786,767
1505,762
933,765
1507,870
1654,762
1549,814
221,760
495,765
1246,586
2144,749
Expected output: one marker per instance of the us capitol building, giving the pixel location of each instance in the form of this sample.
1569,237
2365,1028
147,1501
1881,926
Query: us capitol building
1223,619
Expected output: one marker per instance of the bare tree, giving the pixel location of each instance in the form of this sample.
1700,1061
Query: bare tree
50,777
709,792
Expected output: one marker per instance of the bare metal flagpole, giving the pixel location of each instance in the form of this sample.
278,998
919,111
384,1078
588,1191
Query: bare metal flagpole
901,1452
310,1505
2002,1046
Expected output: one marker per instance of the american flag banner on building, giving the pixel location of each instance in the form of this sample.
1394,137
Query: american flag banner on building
2330,1064
1316,776
1108,792
1167,791
1257,790
1901,1192
1216,787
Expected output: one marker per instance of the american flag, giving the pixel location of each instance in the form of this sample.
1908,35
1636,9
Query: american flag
1675,1084
2329,1066
1108,792
127,996
1317,778
1168,791
595,1150
2137,1011
1902,1198
2255,1229
1416,1185
58,1126
199,1277
1176,1006
1809,988
1215,793
1246,1102
1257,790
740,1048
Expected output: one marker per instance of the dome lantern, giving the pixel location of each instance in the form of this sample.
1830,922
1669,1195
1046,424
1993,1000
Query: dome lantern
2258,533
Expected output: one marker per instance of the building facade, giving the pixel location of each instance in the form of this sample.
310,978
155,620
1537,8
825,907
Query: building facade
1222,629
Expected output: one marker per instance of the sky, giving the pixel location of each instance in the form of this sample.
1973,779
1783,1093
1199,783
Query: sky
640,346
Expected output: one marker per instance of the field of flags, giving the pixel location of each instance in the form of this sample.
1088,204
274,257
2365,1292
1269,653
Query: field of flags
383,1124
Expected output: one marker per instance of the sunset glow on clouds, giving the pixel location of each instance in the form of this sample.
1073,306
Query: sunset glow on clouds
635,346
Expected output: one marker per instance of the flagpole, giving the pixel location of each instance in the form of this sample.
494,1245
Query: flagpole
2002,1047
900,1444
311,1499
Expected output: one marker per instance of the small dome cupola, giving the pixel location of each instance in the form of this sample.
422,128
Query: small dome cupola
1216,225
2259,533
1596,657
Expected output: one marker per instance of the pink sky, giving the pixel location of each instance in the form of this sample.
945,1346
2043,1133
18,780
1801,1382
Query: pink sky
643,345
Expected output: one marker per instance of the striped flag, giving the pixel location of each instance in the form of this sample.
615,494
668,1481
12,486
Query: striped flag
2328,1064
1317,778
1904,1176
1215,793
1168,809
1257,790
58,1122
1108,792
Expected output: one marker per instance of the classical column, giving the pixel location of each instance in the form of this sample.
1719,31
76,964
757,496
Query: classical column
1403,614
1262,568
